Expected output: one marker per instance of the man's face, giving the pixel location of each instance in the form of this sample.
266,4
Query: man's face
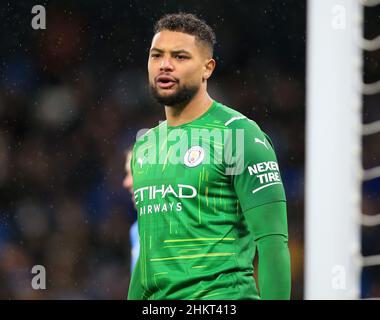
176,67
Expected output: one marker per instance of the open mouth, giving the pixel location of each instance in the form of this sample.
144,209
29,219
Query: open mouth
165,82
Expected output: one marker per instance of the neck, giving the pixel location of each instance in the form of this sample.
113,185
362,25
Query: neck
178,115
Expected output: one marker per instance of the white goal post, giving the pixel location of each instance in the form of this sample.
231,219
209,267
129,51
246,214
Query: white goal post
333,149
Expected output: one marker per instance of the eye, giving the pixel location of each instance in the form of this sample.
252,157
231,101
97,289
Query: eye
181,57
155,55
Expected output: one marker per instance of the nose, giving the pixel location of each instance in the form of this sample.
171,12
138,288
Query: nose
166,65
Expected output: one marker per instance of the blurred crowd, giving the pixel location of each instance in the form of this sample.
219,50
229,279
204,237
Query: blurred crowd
72,98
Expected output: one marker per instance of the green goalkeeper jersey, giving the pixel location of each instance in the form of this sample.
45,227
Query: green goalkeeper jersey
193,185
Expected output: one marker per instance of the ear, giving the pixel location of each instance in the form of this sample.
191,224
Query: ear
208,68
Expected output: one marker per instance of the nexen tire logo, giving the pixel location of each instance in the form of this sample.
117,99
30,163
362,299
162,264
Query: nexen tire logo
179,191
266,179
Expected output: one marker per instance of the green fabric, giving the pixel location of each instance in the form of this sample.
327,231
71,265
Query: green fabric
194,240
268,224
136,291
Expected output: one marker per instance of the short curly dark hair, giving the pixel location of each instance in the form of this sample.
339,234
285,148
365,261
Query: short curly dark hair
187,23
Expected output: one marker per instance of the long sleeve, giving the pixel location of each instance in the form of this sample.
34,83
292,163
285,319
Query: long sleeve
268,225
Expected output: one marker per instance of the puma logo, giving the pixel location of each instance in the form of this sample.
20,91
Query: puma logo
262,142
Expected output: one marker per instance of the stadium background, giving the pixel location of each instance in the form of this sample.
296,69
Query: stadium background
72,98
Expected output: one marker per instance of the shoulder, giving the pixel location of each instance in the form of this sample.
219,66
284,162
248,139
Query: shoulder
232,119
146,139
147,134
240,125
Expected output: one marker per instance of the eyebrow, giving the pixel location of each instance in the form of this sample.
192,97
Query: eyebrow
173,52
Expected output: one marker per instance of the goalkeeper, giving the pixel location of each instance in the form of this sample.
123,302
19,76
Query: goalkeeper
206,183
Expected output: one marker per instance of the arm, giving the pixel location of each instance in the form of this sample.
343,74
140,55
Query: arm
263,201
268,224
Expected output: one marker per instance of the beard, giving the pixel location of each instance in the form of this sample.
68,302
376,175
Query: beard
183,95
